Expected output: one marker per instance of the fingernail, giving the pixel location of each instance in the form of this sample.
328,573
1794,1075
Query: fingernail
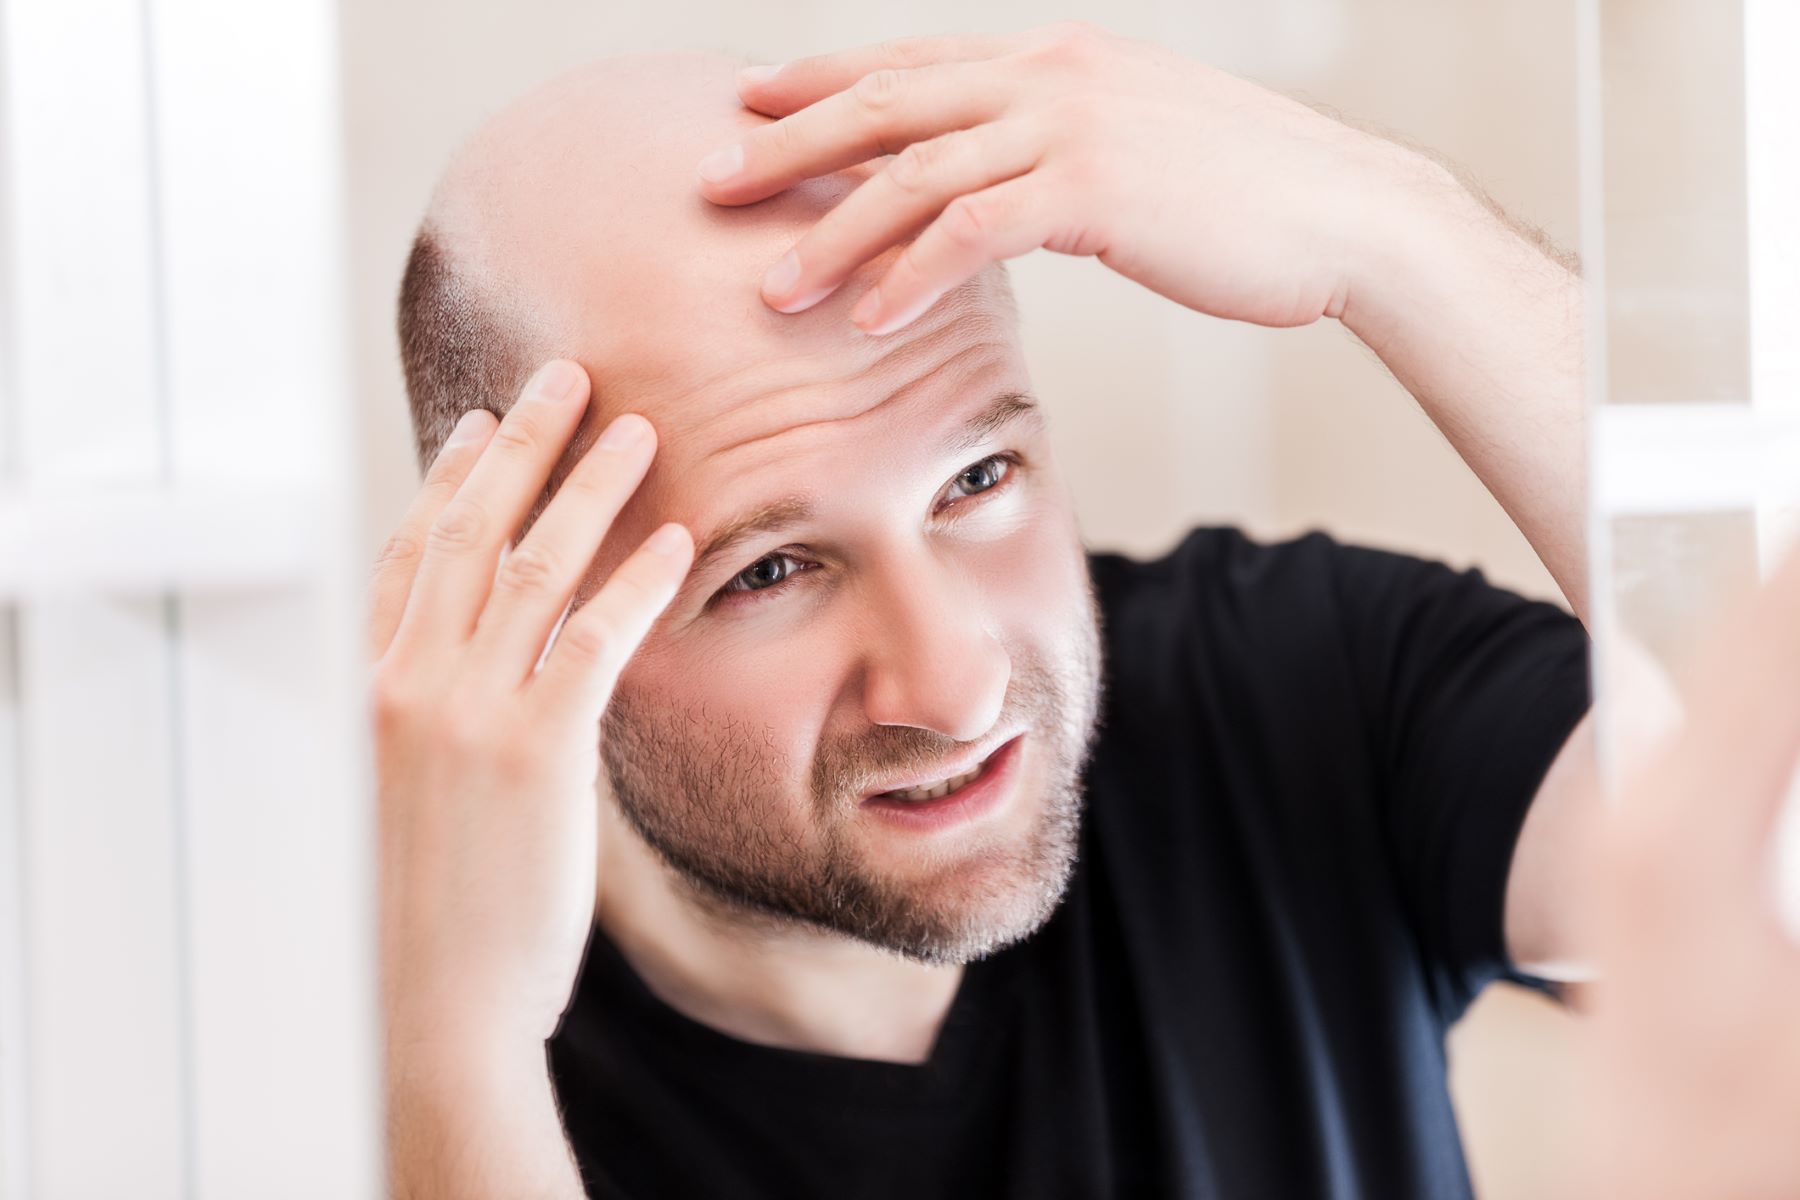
468,428
868,308
755,75
782,277
668,540
557,381
626,431
721,165
899,318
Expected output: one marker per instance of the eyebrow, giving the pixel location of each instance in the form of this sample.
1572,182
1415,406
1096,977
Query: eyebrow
789,511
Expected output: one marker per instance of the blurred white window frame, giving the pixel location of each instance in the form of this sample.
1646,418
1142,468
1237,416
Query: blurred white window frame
186,898
1670,460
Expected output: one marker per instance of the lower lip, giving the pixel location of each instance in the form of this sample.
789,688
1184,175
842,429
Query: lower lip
965,804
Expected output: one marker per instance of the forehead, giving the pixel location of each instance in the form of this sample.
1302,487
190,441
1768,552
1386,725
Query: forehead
801,423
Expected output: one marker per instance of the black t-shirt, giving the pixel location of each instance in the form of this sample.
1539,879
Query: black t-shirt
1311,771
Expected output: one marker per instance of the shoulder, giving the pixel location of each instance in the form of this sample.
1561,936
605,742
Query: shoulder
1307,620
1221,630
1217,581
1221,575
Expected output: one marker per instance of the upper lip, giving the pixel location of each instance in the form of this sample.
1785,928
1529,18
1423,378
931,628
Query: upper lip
940,773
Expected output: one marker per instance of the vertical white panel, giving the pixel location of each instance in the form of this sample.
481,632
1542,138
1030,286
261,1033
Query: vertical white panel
246,96
281,901
80,244
15,1116
107,1089
278,816
1772,154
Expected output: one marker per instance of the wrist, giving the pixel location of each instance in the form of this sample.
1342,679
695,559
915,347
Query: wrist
474,1121
427,1039
1403,234
1428,247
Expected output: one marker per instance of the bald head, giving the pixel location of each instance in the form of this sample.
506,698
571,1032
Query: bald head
571,225
883,536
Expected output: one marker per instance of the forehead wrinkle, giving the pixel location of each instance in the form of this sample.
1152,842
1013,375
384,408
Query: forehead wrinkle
899,394
797,509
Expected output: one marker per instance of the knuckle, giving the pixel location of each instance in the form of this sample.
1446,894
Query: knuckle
775,143
391,698
401,550
879,91
518,434
913,169
530,569
967,222
442,481
1073,43
908,52
908,271
642,591
460,528
590,641
1084,174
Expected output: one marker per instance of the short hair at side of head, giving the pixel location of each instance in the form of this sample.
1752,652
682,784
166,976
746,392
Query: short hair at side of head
457,350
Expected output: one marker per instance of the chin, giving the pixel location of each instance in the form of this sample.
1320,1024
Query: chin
958,933
987,900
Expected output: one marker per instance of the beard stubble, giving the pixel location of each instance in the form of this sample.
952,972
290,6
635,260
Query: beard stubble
700,792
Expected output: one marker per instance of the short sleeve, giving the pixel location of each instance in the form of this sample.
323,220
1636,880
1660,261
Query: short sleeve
1468,692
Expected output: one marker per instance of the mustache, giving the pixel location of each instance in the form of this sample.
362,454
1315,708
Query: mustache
852,766
890,750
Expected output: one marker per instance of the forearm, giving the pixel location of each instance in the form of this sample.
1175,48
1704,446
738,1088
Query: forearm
1484,328
467,1125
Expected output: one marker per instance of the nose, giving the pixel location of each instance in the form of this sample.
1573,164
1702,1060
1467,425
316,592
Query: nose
932,662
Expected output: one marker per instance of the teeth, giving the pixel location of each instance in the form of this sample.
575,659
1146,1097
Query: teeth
942,787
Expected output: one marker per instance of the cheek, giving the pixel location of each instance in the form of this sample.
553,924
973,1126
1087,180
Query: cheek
758,702
1033,580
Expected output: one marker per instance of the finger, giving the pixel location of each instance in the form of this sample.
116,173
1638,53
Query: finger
594,644
463,544
908,192
882,113
790,87
536,579
1001,222
392,579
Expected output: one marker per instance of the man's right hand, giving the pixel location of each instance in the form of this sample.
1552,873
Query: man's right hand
486,766
1692,1034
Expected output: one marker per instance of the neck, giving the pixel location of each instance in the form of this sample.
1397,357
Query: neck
759,979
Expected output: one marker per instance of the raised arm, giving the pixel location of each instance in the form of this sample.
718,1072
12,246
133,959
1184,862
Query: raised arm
1219,194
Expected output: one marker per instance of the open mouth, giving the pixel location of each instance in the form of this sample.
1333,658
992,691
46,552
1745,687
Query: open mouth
943,787
950,790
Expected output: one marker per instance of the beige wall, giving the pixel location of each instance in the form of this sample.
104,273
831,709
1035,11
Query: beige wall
1164,419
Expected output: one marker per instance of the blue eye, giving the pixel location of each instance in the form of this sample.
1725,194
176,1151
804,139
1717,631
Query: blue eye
771,570
984,475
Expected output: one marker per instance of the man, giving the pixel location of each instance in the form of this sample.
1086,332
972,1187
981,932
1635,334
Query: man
849,930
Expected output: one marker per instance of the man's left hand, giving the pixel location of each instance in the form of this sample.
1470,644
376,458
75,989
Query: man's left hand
1219,194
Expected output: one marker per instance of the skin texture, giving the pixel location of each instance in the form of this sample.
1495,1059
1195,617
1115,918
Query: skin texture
920,617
